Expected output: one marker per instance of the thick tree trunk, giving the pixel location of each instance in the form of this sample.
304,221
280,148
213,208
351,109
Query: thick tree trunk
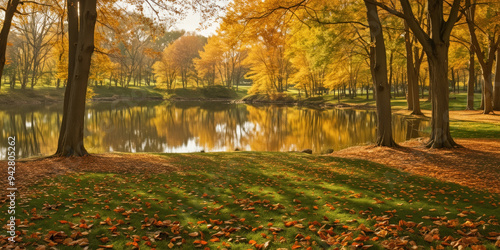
440,121
4,33
378,66
496,93
72,128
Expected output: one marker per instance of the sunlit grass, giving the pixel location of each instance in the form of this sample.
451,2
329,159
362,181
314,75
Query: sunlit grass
241,189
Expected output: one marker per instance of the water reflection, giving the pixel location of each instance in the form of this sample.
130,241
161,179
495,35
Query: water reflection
191,127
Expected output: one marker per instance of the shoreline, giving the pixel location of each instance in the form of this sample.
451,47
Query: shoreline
455,115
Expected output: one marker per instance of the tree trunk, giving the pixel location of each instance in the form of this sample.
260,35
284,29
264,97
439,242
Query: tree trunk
390,73
496,93
13,80
378,66
71,143
481,88
416,72
72,8
440,121
487,90
453,81
4,33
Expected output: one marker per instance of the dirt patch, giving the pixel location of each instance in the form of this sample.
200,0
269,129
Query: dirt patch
476,165
29,172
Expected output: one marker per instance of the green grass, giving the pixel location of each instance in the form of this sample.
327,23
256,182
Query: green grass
242,91
464,129
39,94
212,92
129,92
457,101
246,191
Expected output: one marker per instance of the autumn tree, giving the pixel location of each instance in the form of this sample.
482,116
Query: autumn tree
485,54
165,69
265,35
10,9
184,51
34,39
436,44
222,58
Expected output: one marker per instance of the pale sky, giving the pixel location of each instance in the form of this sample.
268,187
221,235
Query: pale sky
192,22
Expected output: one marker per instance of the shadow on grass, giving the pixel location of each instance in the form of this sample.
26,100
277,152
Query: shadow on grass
247,190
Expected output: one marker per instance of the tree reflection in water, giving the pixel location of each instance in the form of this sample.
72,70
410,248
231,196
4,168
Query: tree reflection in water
191,127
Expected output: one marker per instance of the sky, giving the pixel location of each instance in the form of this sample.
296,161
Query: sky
192,22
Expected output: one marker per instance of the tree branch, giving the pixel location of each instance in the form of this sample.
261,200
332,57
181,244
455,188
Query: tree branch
452,19
419,33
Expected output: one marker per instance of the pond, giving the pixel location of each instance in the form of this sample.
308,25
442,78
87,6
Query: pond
193,126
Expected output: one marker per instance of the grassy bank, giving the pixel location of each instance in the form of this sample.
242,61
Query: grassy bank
37,95
244,200
42,94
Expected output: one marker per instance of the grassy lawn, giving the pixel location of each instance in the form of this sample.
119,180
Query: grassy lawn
130,92
457,101
464,129
39,94
244,200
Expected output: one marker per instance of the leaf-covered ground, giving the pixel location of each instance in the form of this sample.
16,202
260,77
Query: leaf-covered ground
476,164
247,200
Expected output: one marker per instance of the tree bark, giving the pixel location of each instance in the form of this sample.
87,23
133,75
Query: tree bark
496,93
487,90
453,80
416,100
71,135
412,75
378,66
4,33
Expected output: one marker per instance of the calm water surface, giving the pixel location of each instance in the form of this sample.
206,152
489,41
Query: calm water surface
192,127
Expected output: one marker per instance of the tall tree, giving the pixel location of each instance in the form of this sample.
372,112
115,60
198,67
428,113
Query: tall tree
472,73
82,17
485,58
378,65
413,62
436,44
